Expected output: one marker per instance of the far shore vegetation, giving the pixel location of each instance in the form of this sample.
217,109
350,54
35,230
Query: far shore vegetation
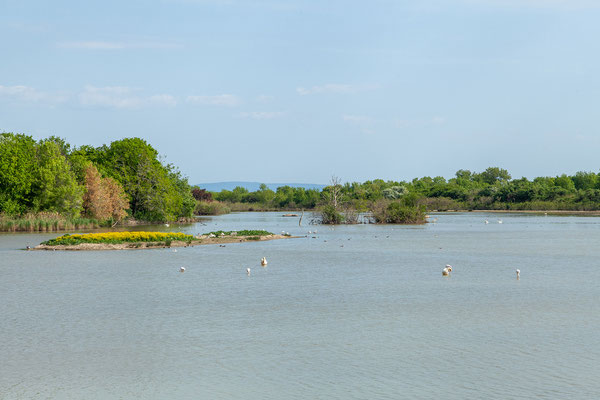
48,185
407,201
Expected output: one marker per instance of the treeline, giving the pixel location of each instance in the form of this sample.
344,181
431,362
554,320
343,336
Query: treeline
492,189
285,197
106,183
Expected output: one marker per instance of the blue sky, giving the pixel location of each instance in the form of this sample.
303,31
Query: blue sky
296,91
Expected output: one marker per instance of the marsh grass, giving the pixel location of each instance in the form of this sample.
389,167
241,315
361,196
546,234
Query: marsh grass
211,208
45,222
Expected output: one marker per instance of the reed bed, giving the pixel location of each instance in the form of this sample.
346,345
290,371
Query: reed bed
44,222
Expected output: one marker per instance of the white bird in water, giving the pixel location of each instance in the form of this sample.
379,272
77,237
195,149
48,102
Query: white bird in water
518,274
182,269
263,261
487,222
499,221
446,271
167,225
248,271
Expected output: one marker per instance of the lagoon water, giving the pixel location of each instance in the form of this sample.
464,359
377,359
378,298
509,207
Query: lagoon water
357,312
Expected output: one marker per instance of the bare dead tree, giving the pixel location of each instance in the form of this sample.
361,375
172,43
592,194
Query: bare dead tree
336,186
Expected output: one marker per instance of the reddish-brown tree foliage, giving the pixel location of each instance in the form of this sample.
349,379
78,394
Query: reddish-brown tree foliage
201,194
104,198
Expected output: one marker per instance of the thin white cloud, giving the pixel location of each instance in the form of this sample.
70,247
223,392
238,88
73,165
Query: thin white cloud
30,95
356,119
122,97
419,123
227,100
363,122
162,99
260,115
104,45
263,98
339,88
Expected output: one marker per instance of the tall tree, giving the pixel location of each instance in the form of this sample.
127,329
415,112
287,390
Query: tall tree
55,188
17,172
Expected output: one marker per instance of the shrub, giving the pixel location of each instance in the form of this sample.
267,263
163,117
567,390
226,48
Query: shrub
398,212
211,208
330,215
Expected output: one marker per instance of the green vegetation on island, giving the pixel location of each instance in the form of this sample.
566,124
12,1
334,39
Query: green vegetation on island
151,240
118,237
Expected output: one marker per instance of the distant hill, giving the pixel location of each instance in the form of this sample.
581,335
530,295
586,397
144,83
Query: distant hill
254,186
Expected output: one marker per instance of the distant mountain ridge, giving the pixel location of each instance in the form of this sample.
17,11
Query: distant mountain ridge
254,186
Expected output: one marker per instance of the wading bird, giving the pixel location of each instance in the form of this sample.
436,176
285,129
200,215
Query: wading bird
518,274
263,261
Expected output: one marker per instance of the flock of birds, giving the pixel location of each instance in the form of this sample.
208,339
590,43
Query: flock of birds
445,272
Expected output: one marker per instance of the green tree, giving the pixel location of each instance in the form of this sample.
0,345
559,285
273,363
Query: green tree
55,187
17,172
156,192
493,175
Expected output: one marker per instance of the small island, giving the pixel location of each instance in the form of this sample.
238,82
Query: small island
152,240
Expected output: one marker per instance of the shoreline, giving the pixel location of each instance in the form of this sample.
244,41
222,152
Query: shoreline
549,212
199,241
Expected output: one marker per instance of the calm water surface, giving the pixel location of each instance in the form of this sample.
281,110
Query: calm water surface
358,312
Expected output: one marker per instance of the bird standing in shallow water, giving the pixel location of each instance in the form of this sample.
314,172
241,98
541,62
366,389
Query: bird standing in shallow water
248,271
182,269
518,274
263,261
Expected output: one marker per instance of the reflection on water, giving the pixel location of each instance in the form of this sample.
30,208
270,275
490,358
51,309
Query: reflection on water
358,312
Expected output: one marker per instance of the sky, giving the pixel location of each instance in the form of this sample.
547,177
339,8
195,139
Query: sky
300,90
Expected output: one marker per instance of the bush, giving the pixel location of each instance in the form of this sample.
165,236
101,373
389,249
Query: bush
211,208
330,215
398,212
